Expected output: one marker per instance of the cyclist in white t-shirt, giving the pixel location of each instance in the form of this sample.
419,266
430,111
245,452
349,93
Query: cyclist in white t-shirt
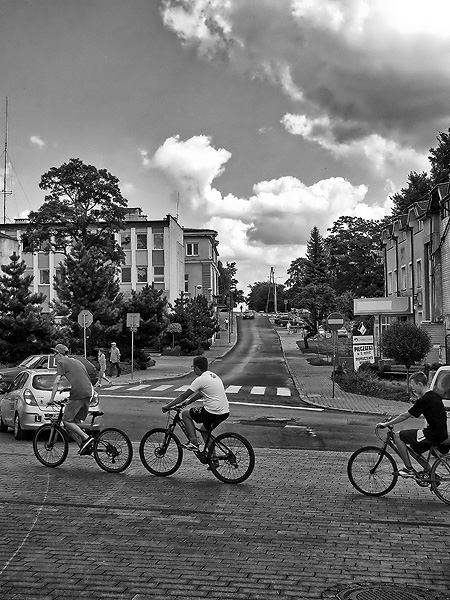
215,409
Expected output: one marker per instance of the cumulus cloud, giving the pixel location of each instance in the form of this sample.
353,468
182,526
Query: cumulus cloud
347,140
375,65
37,141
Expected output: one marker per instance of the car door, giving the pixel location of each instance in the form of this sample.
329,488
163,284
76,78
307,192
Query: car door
11,398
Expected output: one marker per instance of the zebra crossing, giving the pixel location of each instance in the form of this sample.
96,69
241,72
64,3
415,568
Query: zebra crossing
255,390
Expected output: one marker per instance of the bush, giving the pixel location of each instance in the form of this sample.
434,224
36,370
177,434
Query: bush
367,383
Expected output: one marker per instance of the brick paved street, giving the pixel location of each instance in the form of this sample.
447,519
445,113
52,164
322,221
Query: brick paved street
293,530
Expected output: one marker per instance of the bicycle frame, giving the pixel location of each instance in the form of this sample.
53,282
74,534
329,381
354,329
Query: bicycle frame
390,441
177,419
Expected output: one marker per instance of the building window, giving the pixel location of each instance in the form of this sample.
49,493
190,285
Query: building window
419,273
389,283
126,274
44,275
141,241
410,272
158,241
420,225
142,274
403,278
158,274
192,249
125,240
186,282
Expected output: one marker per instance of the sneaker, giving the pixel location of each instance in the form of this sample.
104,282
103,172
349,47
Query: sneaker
407,472
190,446
85,447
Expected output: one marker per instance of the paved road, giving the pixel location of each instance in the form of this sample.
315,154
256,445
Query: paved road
295,530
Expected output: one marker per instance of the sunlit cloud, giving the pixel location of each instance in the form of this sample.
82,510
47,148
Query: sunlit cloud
37,141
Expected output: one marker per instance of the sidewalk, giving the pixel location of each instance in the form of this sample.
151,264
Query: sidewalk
313,384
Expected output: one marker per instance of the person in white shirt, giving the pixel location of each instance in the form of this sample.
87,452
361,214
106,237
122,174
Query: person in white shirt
215,408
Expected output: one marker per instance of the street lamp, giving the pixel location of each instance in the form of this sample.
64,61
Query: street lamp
197,287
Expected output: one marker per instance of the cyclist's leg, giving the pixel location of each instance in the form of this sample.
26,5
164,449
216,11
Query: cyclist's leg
74,413
210,422
416,440
188,417
402,447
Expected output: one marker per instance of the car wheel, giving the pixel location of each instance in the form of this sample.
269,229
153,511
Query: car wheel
3,425
19,433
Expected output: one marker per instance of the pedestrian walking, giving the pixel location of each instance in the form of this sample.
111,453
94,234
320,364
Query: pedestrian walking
102,367
114,359
288,327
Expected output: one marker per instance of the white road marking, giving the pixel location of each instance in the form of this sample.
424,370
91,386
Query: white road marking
233,389
258,390
283,392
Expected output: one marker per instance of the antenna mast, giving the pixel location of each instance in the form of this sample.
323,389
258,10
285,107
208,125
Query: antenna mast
5,166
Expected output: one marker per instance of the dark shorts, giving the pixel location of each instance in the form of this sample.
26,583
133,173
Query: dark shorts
416,439
76,410
209,420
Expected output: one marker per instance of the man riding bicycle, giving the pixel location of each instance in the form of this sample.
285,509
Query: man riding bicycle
430,405
215,407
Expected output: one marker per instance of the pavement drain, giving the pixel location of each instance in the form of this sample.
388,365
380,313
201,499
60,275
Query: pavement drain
371,591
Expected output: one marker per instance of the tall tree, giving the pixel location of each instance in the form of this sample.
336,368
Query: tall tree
310,289
86,282
24,329
418,187
354,247
228,283
83,204
440,158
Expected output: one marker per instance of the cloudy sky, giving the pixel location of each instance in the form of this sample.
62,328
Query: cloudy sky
266,117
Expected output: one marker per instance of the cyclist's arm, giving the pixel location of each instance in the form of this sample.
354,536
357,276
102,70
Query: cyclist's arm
399,419
187,397
54,388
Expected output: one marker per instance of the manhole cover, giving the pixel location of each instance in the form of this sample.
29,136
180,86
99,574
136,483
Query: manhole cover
380,591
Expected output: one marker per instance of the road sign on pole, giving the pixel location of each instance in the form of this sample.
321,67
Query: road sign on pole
334,322
85,320
133,320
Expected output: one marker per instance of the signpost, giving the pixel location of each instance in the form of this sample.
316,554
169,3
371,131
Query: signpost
85,320
334,322
133,320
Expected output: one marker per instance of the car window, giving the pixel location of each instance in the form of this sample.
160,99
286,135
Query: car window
44,382
19,382
41,362
442,384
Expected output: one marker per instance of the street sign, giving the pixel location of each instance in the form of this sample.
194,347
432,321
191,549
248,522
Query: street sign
85,319
362,339
133,319
335,321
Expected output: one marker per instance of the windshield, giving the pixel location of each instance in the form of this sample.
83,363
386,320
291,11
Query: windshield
27,361
442,384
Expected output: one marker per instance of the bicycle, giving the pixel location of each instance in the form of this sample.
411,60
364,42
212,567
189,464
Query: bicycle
230,456
373,471
111,448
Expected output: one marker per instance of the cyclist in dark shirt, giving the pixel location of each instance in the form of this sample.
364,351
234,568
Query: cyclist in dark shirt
430,405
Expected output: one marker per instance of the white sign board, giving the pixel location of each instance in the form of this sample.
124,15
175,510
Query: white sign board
362,339
362,354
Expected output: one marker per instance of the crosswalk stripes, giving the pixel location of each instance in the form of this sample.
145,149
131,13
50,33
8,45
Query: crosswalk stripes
256,390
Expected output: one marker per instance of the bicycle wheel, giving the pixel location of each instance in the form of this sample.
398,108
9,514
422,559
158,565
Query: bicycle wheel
440,479
113,450
231,458
50,445
161,452
371,471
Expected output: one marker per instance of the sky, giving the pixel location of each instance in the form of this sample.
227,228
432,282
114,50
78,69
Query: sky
258,118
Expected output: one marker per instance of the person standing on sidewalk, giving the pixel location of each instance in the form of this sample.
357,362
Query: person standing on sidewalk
102,367
81,392
114,359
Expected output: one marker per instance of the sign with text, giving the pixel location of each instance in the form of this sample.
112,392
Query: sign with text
362,339
363,353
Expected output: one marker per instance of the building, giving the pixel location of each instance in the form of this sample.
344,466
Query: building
201,263
417,265
8,246
159,253
154,255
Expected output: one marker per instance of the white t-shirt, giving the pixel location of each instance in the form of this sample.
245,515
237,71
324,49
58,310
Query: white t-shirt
211,388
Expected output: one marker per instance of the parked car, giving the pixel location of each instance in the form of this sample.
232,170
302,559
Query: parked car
248,314
41,361
441,384
24,405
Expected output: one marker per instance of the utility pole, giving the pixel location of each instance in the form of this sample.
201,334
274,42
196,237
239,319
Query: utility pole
5,165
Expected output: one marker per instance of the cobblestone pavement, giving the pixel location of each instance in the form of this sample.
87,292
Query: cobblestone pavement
295,529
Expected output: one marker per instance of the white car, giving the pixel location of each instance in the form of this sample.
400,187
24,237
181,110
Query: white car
441,384
24,405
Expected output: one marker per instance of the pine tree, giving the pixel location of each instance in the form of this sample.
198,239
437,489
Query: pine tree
86,282
24,329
